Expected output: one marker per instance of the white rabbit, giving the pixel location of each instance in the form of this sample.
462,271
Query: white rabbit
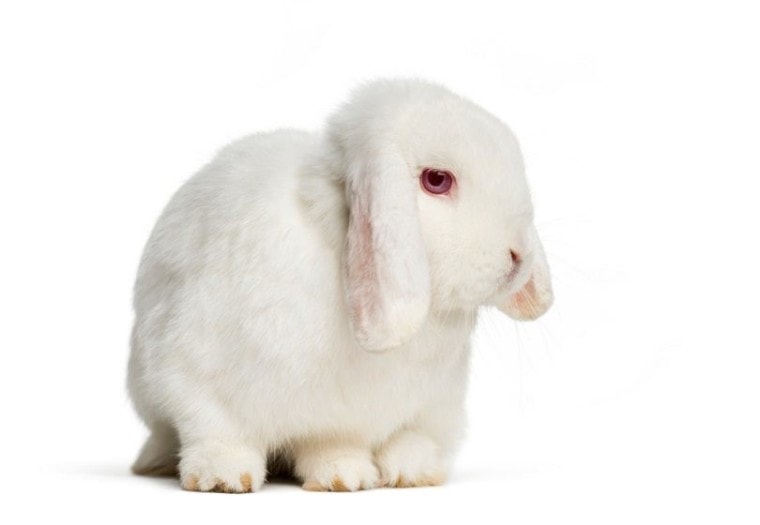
310,298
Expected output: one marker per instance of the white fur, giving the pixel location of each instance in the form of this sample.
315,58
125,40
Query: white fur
277,275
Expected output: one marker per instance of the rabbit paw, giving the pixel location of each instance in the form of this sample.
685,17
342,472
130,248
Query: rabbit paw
336,469
222,469
410,459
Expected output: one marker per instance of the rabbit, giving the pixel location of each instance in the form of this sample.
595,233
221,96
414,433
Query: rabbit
307,299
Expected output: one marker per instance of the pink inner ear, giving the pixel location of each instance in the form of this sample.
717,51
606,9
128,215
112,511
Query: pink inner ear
362,275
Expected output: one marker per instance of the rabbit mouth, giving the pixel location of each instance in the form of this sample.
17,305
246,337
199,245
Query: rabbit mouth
513,281
512,274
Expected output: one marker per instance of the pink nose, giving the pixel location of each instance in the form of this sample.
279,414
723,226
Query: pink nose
516,259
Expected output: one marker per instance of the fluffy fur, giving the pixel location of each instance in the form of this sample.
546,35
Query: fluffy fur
302,300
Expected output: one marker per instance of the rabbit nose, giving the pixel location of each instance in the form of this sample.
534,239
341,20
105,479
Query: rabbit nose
516,259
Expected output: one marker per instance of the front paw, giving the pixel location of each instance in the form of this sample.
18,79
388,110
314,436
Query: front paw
220,468
336,469
409,459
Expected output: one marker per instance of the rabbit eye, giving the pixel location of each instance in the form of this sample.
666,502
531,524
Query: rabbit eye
436,182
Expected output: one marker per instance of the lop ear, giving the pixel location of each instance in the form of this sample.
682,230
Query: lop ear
387,276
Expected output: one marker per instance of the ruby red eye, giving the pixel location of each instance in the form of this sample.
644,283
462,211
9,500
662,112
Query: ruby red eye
436,181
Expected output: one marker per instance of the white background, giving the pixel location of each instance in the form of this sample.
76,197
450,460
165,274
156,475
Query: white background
635,400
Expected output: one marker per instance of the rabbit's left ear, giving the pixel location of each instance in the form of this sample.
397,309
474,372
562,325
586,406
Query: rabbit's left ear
387,276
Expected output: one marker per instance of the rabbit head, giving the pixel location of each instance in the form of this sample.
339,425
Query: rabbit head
440,216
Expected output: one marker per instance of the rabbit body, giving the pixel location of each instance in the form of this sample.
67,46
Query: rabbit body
245,345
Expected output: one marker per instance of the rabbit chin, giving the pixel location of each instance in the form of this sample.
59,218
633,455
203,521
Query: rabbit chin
530,302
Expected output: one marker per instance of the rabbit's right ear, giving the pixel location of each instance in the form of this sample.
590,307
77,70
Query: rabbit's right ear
387,276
